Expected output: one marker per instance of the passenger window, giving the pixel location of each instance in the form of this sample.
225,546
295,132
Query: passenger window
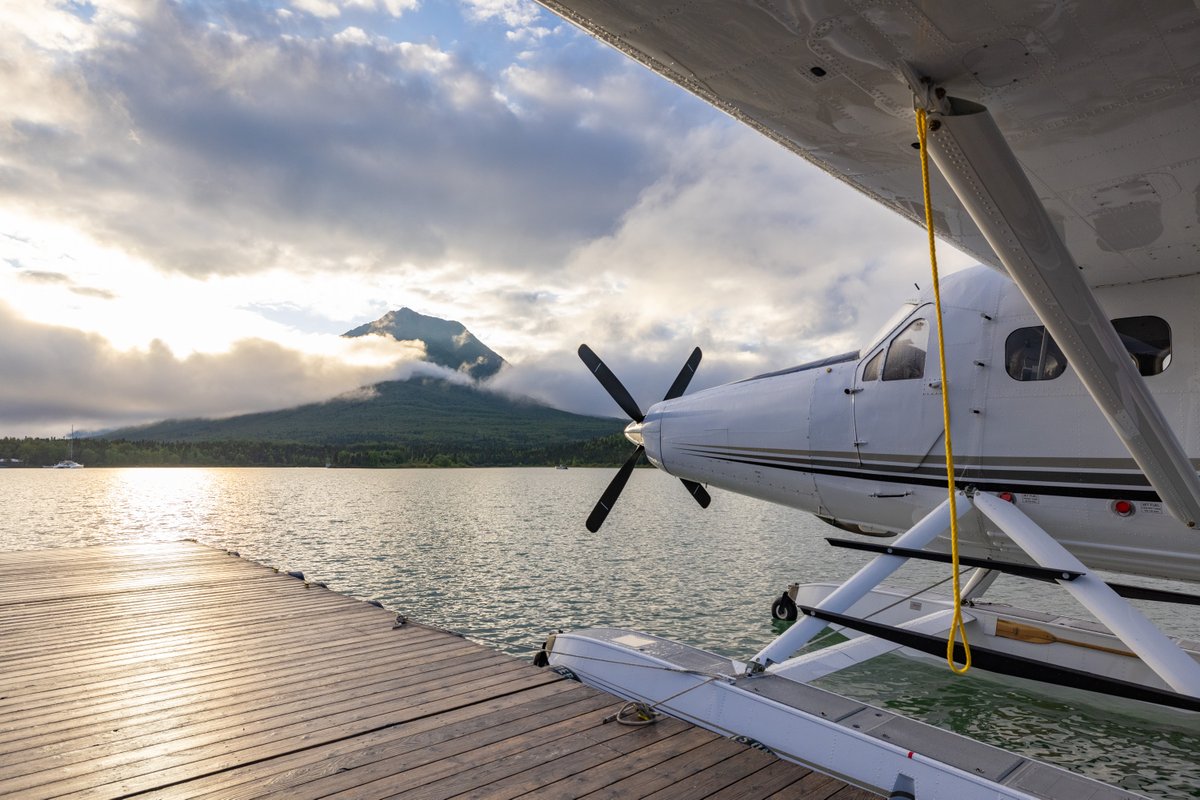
871,370
1148,340
1030,354
906,354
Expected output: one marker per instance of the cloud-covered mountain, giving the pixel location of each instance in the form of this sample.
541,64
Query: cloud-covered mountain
447,343
422,412
438,411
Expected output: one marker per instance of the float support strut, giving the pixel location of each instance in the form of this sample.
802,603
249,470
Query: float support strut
1169,662
931,526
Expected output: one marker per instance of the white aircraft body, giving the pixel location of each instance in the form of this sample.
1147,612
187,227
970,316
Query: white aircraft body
1065,141
858,439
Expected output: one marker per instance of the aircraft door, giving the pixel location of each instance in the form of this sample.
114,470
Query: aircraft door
897,397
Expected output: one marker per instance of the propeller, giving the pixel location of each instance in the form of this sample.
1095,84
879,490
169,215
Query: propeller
621,395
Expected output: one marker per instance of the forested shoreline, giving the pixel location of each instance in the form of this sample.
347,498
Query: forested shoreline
98,452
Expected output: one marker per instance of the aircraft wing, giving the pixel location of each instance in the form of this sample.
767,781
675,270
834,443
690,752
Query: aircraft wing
1099,101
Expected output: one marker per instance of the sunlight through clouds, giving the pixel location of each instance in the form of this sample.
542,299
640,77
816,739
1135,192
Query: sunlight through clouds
201,188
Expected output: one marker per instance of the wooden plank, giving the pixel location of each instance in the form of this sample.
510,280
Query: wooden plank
83,672
470,770
228,630
852,793
717,776
426,757
191,645
178,671
813,786
147,678
181,606
179,611
145,718
535,706
583,771
220,758
61,645
197,738
243,582
671,770
774,777
103,586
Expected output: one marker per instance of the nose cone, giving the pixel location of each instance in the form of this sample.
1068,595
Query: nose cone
633,432
646,434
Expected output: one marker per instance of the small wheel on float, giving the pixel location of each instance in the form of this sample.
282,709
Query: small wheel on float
784,608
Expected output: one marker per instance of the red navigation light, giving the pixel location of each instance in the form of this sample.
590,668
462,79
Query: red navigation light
1122,508
1006,497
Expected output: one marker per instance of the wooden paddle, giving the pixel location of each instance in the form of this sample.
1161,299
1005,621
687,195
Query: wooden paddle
1023,632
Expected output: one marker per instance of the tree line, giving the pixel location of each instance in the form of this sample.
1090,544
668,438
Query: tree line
38,452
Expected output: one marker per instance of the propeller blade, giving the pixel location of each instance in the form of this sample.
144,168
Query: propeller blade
609,381
684,378
609,498
697,491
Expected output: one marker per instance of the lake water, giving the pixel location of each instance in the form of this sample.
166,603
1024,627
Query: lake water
502,556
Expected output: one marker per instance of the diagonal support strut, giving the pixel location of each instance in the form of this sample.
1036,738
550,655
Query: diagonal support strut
1179,670
932,525
981,168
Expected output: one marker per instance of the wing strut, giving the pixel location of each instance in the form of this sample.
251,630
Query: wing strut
981,168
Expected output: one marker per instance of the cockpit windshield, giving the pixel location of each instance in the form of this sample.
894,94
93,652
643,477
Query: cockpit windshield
892,322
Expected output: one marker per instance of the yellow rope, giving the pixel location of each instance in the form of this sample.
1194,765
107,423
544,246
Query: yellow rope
956,626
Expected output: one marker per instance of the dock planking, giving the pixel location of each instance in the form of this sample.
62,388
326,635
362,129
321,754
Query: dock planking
175,670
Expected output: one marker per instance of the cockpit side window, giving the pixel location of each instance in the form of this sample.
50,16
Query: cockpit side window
906,354
893,321
871,370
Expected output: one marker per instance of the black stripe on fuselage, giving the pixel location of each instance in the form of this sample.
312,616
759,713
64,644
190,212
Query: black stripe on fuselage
1087,487
935,470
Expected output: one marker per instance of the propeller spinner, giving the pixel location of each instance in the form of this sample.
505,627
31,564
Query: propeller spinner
621,395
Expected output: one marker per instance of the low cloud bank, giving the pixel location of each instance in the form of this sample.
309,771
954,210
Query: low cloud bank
54,374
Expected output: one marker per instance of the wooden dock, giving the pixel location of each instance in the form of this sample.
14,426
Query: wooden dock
180,671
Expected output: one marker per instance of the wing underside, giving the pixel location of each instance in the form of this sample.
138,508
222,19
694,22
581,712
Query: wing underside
1099,101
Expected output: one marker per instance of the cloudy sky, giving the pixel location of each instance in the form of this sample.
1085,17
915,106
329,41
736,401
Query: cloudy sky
197,198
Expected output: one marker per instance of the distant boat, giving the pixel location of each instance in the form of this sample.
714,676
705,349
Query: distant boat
561,466
68,463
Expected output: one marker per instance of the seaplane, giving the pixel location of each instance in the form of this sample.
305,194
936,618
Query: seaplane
1036,417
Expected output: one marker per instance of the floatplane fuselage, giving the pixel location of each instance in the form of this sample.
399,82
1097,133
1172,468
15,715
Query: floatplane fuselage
857,439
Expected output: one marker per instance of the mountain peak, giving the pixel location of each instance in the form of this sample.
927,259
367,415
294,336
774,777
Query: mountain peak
447,342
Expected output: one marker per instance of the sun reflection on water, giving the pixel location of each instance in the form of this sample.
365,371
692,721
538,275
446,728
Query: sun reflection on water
160,504
63,508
